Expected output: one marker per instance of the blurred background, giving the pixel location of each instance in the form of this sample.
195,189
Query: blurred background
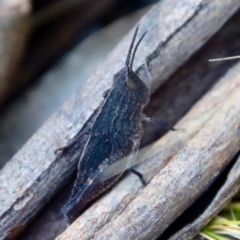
47,50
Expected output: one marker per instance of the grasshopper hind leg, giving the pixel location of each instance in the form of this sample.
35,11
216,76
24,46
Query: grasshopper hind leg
163,124
138,174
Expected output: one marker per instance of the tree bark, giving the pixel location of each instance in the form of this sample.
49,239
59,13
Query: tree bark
35,173
210,139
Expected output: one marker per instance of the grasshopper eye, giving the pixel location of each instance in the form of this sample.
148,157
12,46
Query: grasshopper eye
130,83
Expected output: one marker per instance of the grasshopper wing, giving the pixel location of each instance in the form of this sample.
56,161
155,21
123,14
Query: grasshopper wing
99,153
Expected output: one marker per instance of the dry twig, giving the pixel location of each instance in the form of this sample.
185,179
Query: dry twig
36,173
211,140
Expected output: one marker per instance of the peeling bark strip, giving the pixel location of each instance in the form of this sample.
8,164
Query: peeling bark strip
211,140
34,174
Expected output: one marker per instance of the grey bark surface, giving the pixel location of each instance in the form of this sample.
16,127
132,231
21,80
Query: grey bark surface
206,142
170,102
34,174
223,197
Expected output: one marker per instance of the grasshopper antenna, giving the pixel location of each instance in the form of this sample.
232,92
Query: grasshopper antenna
131,47
135,50
224,59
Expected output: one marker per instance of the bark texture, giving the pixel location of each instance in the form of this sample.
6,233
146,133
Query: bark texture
34,174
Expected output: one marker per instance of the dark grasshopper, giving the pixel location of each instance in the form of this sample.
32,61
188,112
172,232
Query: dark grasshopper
115,135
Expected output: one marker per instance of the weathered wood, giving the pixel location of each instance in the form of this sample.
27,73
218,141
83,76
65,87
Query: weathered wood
210,143
35,169
171,101
224,196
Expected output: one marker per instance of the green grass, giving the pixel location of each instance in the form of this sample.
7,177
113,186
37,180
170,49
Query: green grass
226,225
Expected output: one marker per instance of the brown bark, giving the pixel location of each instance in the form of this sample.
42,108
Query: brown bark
14,27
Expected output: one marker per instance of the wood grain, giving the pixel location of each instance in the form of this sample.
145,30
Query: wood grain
34,174
223,197
207,140
170,102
